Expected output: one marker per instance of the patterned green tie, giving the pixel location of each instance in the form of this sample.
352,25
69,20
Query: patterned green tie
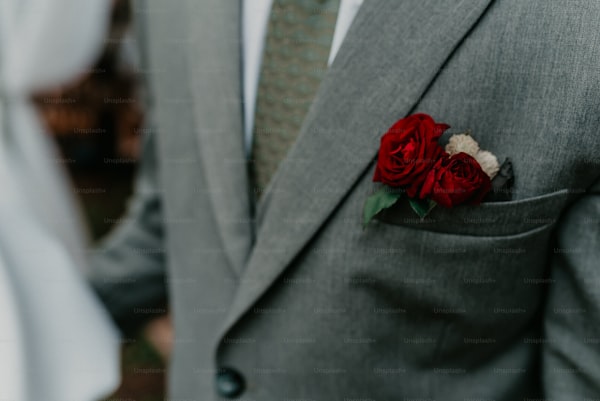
299,37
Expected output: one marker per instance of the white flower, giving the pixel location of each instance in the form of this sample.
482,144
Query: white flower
462,143
488,162
466,144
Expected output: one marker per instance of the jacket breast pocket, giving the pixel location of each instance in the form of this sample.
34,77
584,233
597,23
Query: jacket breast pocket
487,219
476,271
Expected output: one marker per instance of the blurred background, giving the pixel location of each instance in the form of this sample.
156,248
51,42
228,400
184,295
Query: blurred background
97,123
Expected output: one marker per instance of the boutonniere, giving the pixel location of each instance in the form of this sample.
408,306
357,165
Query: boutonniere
411,164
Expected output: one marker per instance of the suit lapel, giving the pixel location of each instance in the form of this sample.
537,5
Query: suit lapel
392,53
215,84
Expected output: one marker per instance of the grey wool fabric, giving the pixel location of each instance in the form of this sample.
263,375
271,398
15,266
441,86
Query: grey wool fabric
493,302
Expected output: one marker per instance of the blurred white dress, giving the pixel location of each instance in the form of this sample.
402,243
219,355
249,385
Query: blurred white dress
56,341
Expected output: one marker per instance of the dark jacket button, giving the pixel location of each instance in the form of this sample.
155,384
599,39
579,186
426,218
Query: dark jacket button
230,383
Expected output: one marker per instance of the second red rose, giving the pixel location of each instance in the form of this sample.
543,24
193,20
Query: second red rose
455,180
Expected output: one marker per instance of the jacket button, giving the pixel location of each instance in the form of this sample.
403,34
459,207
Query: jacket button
230,383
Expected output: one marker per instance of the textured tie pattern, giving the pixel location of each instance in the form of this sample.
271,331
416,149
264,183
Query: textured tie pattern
299,37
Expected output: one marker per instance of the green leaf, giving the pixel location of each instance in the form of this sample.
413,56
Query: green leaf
422,207
380,200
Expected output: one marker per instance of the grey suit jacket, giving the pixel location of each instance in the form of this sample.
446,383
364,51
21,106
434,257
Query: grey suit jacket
493,302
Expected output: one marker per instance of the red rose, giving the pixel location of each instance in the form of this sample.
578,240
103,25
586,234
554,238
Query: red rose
455,180
408,151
